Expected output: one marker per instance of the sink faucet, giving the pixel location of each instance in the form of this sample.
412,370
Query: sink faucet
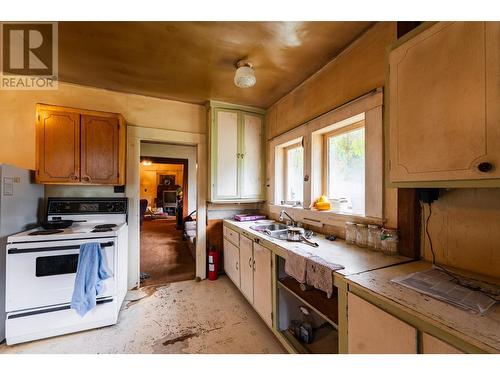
283,212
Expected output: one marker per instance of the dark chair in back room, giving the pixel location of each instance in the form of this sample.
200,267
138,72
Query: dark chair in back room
143,205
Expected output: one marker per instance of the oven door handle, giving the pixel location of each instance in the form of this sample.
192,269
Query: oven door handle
56,248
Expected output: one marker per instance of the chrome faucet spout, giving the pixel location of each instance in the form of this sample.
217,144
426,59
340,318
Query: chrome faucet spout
283,212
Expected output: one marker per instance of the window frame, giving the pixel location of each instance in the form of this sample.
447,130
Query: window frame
380,200
292,146
326,149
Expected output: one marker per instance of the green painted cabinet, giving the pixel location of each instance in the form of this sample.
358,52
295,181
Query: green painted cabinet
236,154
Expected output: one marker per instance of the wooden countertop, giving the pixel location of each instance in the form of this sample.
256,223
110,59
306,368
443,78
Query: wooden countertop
353,258
481,331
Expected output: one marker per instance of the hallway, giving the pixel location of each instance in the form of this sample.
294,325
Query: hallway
164,255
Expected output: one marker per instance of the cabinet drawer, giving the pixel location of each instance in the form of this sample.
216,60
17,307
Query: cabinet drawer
232,236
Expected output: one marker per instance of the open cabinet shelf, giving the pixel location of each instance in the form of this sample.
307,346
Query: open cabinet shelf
323,314
325,341
314,299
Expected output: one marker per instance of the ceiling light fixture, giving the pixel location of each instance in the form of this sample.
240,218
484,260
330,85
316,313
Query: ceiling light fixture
244,76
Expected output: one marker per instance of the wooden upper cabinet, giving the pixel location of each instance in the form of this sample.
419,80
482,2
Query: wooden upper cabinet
444,104
99,150
76,146
58,146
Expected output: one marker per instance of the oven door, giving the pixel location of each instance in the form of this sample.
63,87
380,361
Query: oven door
43,273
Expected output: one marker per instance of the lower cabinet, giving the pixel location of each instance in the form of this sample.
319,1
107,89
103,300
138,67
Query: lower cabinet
249,267
262,283
371,330
433,345
232,262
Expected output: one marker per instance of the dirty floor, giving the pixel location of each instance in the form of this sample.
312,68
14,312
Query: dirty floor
184,317
164,255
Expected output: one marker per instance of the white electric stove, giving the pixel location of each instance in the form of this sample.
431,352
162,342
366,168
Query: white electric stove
41,269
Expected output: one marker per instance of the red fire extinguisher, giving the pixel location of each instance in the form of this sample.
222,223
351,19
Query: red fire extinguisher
213,263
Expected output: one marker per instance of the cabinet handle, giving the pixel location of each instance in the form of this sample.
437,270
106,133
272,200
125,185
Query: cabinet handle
250,262
86,178
237,266
485,167
73,177
254,265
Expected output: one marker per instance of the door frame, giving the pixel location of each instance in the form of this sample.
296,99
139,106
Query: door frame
136,134
185,176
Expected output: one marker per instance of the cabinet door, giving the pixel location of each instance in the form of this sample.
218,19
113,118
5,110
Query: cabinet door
433,345
371,330
100,150
231,262
252,156
262,284
226,156
246,269
58,146
444,104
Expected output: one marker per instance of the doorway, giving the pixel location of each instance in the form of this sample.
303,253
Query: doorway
167,242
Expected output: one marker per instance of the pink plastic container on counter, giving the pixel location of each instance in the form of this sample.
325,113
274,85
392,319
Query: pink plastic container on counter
249,217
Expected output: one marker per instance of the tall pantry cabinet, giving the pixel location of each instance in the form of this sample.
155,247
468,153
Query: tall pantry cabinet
236,153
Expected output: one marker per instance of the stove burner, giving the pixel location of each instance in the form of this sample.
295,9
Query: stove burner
105,226
45,232
97,230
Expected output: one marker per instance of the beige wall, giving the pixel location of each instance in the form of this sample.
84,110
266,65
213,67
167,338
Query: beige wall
17,115
465,230
150,175
357,70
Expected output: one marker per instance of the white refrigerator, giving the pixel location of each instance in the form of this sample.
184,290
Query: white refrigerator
21,208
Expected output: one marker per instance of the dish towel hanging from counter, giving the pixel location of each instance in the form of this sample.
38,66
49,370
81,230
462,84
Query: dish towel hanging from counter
319,274
295,266
91,271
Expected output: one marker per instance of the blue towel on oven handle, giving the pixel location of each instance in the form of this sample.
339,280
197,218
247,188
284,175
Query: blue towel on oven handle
91,271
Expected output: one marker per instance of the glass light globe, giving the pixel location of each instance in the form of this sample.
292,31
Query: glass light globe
244,77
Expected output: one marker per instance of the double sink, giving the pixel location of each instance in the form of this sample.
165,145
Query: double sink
278,231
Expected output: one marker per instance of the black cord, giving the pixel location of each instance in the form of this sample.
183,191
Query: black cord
429,236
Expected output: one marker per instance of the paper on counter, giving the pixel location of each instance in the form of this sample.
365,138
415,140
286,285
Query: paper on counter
440,285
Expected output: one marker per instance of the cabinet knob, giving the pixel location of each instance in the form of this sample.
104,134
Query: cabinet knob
86,178
73,177
485,167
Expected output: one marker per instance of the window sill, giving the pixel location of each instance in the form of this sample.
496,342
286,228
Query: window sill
324,217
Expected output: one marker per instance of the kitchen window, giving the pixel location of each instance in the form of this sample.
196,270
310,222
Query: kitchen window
342,159
294,174
345,168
